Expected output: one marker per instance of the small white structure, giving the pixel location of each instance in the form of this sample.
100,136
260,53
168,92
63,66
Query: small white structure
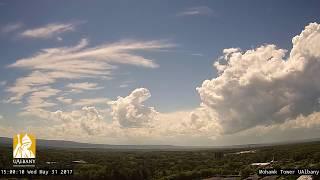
246,152
79,162
264,163
261,164
51,162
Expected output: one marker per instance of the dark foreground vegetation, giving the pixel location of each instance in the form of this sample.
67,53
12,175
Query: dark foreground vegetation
182,164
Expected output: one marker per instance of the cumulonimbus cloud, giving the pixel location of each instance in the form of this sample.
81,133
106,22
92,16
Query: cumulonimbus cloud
262,86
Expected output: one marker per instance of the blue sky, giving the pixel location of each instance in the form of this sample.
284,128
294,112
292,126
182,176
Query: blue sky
197,32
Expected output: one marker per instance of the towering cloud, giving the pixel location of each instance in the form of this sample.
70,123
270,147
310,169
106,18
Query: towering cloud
87,121
130,112
262,86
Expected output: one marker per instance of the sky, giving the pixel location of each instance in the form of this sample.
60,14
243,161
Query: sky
160,72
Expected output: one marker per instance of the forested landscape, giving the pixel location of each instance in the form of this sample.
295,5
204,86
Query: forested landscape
172,164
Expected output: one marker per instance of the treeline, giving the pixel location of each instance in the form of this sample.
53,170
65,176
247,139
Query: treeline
131,165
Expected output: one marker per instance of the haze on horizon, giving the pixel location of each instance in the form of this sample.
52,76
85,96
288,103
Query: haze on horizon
160,72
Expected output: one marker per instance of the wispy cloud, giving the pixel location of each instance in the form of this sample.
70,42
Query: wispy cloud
48,66
64,100
11,27
126,84
79,87
123,85
48,30
196,11
91,102
3,83
38,101
197,54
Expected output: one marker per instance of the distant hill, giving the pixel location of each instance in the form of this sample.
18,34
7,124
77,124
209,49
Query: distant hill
78,145
41,143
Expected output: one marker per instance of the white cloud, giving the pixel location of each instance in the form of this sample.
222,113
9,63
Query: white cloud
130,112
301,128
259,93
91,101
38,101
197,54
182,128
132,121
196,11
48,30
50,66
27,84
262,86
11,27
185,124
79,87
3,83
79,123
66,57
6,131
309,121
126,84
64,100
123,85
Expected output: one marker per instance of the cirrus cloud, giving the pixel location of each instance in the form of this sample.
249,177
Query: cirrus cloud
48,30
79,87
50,66
196,11
11,27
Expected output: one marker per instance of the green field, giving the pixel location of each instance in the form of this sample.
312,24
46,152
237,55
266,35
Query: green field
173,164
